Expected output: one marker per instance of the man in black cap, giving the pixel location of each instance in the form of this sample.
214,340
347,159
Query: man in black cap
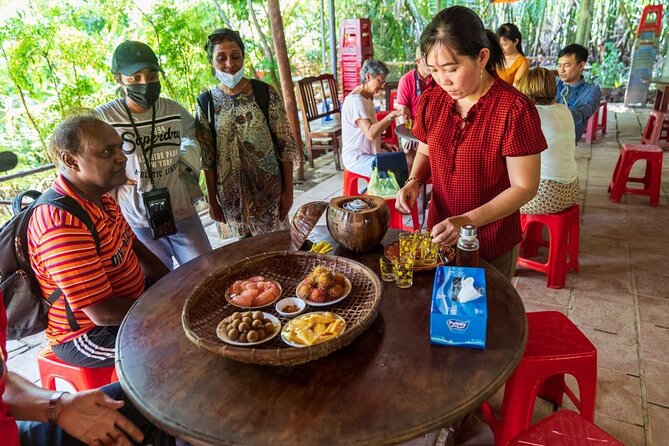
163,158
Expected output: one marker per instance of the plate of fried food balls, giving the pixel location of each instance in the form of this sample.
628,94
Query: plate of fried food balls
248,328
322,287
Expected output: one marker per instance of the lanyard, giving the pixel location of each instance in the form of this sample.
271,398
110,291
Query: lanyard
417,80
147,160
564,93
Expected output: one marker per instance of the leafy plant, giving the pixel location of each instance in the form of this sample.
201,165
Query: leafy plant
611,72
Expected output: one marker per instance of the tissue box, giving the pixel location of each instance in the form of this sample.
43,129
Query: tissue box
456,323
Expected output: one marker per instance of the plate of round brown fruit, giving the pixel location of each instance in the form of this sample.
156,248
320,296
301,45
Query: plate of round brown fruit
248,328
322,287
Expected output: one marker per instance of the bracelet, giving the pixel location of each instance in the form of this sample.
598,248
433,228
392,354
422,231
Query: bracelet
420,183
51,408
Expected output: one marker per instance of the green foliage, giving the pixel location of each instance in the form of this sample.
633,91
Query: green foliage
611,72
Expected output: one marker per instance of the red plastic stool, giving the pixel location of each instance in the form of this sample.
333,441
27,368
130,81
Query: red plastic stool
563,233
595,124
351,186
81,378
657,129
565,428
396,219
651,180
555,347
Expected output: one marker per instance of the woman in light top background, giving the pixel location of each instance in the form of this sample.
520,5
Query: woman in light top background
515,62
558,187
360,130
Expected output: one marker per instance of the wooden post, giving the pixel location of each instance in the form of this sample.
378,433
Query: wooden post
286,77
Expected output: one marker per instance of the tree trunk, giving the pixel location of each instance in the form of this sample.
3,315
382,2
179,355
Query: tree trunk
264,44
536,46
583,24
286,77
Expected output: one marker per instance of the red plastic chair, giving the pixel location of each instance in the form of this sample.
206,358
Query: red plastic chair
596,124
563,231
564,428
351,183
657,129
652,179
555,347
81,378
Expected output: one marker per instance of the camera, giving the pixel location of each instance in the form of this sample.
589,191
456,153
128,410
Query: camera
159,207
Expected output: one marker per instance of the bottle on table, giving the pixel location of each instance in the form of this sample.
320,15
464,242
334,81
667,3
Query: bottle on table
468,247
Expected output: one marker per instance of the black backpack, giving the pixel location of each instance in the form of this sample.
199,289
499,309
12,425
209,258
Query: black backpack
26,308
261,95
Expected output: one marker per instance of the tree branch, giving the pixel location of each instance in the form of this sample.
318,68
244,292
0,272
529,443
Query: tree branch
222,14
22,96
264,44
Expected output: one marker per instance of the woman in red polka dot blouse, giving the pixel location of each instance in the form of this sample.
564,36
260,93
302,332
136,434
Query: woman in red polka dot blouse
480,140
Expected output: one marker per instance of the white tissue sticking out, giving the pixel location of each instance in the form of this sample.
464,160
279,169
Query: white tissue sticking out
467,291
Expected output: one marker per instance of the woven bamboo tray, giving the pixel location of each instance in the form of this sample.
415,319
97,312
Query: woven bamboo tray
206,306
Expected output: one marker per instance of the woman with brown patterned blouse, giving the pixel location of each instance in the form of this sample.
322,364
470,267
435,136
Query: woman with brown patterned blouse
248,166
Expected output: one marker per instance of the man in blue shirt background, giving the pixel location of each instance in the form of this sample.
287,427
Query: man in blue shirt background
580,97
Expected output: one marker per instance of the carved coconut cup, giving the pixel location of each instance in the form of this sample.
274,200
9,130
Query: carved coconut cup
358,231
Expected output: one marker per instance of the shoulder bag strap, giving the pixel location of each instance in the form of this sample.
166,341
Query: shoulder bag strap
70,205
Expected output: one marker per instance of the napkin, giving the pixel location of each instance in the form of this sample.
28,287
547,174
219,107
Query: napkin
467,291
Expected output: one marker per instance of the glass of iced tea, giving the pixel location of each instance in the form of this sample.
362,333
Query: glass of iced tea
403,268
387,269
408,245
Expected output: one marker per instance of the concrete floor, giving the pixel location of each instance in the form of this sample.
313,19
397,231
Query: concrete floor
619,298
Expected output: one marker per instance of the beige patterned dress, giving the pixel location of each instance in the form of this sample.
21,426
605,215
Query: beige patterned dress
246,160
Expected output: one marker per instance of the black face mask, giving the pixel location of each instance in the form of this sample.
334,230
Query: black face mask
144,94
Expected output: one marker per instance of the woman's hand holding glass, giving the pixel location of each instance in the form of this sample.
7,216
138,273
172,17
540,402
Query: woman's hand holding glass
448,231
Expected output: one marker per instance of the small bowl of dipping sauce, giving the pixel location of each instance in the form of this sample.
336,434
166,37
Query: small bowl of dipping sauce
290,306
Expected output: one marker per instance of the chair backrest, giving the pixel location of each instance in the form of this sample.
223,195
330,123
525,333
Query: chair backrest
318,97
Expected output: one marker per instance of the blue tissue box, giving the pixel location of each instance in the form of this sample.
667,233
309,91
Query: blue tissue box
452,322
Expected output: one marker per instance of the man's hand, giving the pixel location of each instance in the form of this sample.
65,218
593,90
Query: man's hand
93,418
286,203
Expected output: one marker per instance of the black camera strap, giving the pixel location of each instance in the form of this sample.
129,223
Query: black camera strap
147,159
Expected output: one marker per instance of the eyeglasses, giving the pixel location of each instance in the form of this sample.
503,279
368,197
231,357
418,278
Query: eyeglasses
212,39
382,81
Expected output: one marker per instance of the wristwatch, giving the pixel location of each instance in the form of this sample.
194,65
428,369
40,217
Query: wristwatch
51,408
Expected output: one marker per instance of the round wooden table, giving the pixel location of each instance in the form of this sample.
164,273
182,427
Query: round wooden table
389,385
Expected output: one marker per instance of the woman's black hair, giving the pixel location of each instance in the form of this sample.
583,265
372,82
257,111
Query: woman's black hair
220,35
459,29
511,32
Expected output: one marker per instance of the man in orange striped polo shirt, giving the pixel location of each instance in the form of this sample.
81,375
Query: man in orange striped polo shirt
99,286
